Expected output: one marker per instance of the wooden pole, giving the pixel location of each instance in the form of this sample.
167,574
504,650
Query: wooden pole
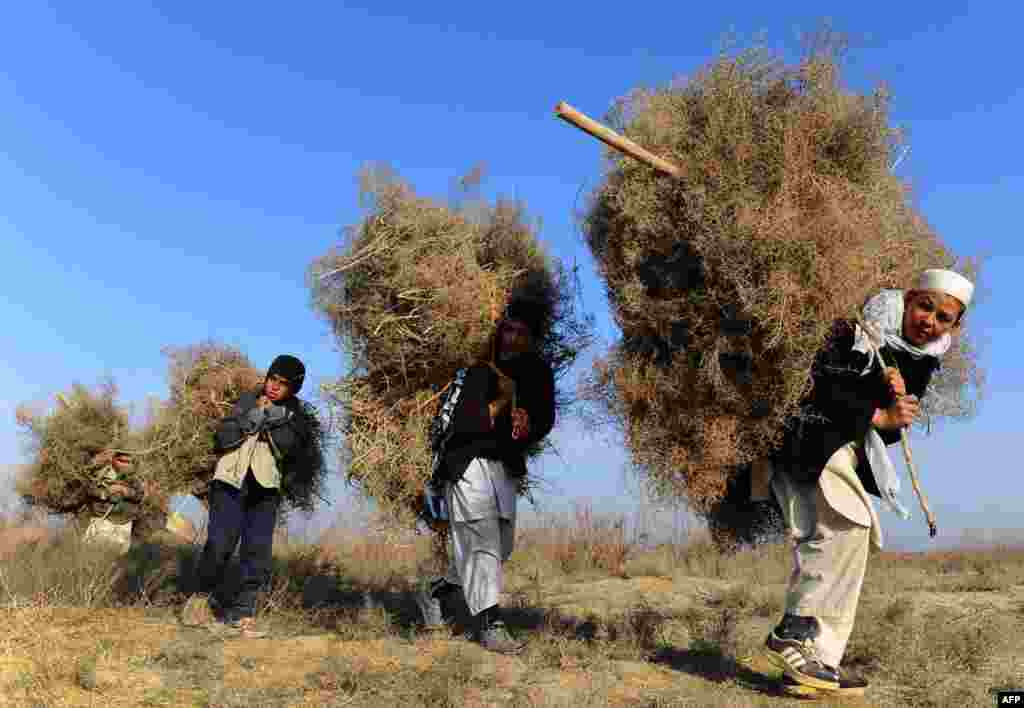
609,137
933,529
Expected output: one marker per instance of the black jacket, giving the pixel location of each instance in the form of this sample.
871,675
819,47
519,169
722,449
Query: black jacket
841,404
290,436
535,391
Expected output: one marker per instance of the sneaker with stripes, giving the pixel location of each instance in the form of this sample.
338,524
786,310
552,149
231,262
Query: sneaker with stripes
790,646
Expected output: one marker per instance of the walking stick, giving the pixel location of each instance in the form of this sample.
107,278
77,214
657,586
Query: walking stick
904,437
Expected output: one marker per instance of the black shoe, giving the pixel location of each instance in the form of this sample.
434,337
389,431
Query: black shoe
790,646
430,611
217,606
441,588
432,602
494,636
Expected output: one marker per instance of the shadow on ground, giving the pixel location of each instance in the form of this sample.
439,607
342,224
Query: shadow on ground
708,662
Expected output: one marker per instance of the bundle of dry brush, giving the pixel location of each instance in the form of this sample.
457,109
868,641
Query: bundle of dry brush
173,449
70,446
413,294
724,282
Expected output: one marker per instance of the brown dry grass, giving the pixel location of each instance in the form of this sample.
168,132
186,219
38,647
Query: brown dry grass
344,630
413,294
583,542
725,282
20,528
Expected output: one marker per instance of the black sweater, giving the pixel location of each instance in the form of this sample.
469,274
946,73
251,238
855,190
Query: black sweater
840,406
535,392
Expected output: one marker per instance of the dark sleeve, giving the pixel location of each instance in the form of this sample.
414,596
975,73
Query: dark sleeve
541,406
303,462
890,437
917,374
472,419
841,394
293,434
231,430
537,397
472,435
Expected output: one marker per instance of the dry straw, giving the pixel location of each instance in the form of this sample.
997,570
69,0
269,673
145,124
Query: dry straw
725,280
413,294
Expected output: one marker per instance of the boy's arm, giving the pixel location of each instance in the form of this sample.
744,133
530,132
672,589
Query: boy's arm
916,385
234,428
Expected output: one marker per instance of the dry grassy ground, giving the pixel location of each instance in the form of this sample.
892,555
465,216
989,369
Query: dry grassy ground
608,625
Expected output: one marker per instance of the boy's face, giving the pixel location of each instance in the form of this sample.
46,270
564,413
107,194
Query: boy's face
277,388
929,315
515,338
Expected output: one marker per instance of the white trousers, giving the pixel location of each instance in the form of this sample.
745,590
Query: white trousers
833,525
481,535
476,552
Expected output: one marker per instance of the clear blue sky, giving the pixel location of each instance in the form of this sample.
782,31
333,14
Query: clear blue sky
169,170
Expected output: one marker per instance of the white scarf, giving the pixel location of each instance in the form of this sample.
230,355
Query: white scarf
884,314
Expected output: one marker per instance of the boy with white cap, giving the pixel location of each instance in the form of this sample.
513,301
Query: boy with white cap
833,457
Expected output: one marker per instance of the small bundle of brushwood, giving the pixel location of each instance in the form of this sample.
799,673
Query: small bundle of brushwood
413,294
748,208
173,451
70,447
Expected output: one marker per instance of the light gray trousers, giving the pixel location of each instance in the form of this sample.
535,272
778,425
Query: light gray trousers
833,534
476,552
482,532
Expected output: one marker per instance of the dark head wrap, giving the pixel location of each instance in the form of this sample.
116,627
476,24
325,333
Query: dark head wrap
532,314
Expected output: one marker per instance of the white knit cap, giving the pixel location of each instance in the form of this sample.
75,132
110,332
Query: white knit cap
946,281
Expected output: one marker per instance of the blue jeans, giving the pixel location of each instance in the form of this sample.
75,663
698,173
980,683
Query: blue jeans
248,514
